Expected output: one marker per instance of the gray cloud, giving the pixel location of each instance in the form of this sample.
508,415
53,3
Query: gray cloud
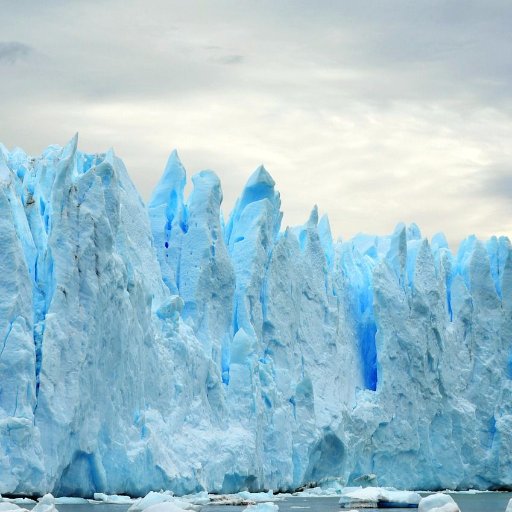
496,181
232,59
12,51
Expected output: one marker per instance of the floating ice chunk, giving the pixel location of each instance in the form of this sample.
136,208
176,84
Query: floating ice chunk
154,498
246,498
509,506
229,499
382,497
186,505
18,501
199,498
9,506
46,504
263,507
112,498
320,492
258,497
362,497
438,503
166,506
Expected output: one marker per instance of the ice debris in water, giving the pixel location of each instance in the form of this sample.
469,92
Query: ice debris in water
111,498
259,497
164,506
378,497
438,502
154,498
263,507
18,500
45,504
163,347
7,506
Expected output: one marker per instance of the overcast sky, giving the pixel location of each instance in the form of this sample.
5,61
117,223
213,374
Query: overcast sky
377,111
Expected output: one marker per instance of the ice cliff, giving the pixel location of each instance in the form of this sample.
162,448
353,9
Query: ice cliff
161,347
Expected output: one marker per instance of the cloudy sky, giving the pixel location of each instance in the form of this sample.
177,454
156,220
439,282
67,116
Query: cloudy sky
377,111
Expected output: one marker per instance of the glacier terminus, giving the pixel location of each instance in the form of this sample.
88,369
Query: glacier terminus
163,347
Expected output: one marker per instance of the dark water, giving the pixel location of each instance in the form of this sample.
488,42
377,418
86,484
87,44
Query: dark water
481,502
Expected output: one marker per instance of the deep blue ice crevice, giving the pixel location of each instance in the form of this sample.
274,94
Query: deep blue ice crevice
358,274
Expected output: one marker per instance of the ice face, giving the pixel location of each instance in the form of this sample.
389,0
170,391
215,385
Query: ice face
161,348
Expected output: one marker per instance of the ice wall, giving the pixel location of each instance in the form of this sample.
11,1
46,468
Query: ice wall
163,348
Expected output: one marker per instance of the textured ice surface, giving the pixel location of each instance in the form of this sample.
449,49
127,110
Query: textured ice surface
438,503
378,497
10,507
263,507
46,504
153,498
163,348
110,498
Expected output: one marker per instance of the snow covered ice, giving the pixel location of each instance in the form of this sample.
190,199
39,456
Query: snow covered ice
161,347
263,507
378,497
438,503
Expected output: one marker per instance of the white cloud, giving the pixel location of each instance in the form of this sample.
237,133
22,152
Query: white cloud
378,113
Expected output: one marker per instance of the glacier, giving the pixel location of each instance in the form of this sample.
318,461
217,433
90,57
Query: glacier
162,347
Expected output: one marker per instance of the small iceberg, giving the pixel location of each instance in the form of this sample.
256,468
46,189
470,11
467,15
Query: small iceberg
7,506
19,501
156,498
45,504
112,499
378,497
244,498
164,506
258,497
199,498
263,507
438,502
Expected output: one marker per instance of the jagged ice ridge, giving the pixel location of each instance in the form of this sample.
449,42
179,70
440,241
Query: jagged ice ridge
160,348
